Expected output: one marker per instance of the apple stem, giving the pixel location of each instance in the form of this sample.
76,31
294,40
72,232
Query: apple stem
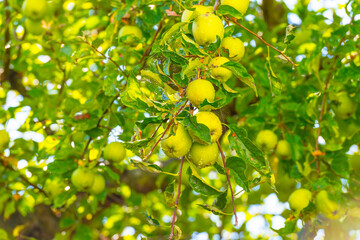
261,39
167,129
228,179
177,200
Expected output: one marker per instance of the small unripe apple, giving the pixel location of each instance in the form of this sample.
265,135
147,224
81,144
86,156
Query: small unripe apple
34,26
345,107
220,73
240,5
4,140
203,155
266,139
114,151
82,178
35,9
199,90
213,122
235,48
283,149
326,206
54,186
206,27
134,33
199,10
178,145
299,199
98,186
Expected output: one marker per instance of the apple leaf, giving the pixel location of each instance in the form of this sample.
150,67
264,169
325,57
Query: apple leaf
150,120
83,232
220,201
247,150
199,130
174,29
237,168
229,10
214,210
169,194
149,167
290,226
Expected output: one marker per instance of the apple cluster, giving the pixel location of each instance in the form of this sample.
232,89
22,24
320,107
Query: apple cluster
267,140
34,11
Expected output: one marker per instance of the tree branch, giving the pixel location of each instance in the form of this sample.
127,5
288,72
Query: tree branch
7,51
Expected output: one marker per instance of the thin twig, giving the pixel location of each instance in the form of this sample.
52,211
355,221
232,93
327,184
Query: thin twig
261,39
216,5
7,47
228,179
177,200
167,129
157,128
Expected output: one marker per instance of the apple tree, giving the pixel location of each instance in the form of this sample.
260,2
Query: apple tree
160,119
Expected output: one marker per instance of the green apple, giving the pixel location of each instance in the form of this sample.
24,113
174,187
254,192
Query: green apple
203,155
34,26
98,186
133,33
178,145
4,140
345,107
299,199
213,122
354,161
283,149
240,5
206,27
114,151
54,186
83,178
199,90
187,15
220,73
234,47
266,139
35,9
326,206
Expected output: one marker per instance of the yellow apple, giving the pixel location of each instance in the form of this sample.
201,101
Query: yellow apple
213,122
34,26
82,178
114,151
186,15
326,206
266,139
4,140
35,9
203,155
299,199
283,149
220,73
134,33
199,90
234,47
178,145
240,5
345,107
206,27
98,186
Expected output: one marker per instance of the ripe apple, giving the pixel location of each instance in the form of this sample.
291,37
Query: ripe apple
213,122
326,206
54,186
199,90
33,26
266,139
178,145
235,48
299,199
283,149
345,107
114,151
35,9
134,33
186,15
241,6
220,73
206,27
203,155
82,178
4,140
98,186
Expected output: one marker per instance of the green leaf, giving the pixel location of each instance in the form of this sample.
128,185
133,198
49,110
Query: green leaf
9,209
83,232
199,185
169,194
237,168
229,10
62,166
190,70
290,227
176,58
67,222
152,220
240,72
61,199
220,201
152,168
199,130
214,210
150,120
290,34
174,29
247,150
